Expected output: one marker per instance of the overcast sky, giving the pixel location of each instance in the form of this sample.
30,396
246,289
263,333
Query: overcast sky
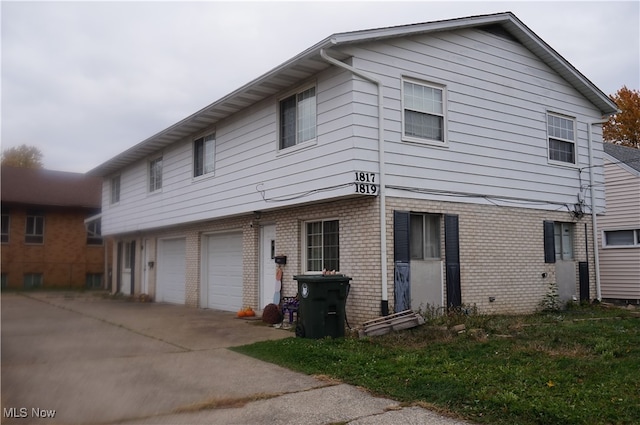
83,81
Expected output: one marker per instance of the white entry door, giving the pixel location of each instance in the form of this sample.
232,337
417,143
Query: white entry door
222,272
267,264
171,275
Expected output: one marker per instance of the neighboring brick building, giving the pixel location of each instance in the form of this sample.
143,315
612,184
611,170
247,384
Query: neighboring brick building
45,241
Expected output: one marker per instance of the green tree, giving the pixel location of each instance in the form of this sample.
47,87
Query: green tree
22,156
624,127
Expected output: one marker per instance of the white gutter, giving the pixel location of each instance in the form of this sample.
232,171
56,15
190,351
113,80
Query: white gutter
594,220
384,302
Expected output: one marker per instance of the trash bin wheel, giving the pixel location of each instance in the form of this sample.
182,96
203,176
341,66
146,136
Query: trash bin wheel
300,330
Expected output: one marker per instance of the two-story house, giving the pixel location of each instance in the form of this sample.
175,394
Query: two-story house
45,240
619,228
437,164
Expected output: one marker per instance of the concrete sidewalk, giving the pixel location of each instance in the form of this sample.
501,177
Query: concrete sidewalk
101,361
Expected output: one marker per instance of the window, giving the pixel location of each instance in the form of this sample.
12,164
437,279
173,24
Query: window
322,246
34,232
563,239
425,237
4,280
562,139
203,155
298,118
155,174
127,255
32,280
94,232
94,281
4,238
115,190
423,112
622,238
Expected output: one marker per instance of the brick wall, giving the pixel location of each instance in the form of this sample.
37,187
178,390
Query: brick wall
501,251
64,258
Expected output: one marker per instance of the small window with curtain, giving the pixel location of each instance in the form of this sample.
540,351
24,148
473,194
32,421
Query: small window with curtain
297,118
423,117
563,239
562,139
621,238
204,155
425,237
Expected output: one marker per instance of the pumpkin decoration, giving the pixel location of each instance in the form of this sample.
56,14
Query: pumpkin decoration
246,312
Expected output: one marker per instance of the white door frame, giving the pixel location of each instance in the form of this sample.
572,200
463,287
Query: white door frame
267,264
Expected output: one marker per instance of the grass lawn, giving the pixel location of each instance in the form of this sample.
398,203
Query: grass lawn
580,366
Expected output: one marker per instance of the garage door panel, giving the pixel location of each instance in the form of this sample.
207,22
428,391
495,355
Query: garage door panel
224,271
171,271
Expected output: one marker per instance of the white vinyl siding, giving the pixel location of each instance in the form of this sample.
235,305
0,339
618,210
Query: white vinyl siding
620,265
497,97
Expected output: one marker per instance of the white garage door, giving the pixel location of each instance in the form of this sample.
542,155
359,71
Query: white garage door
171,271
222,286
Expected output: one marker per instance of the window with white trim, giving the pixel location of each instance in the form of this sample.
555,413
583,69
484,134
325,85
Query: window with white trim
424,237
115,189
621,238
322,245
563,238
561,134
34,231
155,174
423,112
204,155
298,118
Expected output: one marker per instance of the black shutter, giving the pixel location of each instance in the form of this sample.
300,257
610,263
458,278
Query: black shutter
401,258
583,272
401,236
549,243
452,260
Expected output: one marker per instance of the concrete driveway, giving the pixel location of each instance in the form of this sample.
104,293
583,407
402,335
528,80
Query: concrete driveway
101,361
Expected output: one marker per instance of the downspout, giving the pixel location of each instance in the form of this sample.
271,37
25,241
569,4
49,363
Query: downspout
384,301
594,220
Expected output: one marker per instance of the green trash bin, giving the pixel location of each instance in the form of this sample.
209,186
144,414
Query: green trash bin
321,311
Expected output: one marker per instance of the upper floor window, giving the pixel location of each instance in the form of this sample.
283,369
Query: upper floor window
423,117
562,139
298,118
155,174
5,227
322,246
204,155
115,189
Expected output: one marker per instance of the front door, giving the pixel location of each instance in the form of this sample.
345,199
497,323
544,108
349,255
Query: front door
566,266
127,259
267,264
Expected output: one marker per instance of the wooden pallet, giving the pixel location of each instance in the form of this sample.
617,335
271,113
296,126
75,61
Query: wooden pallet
394,322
